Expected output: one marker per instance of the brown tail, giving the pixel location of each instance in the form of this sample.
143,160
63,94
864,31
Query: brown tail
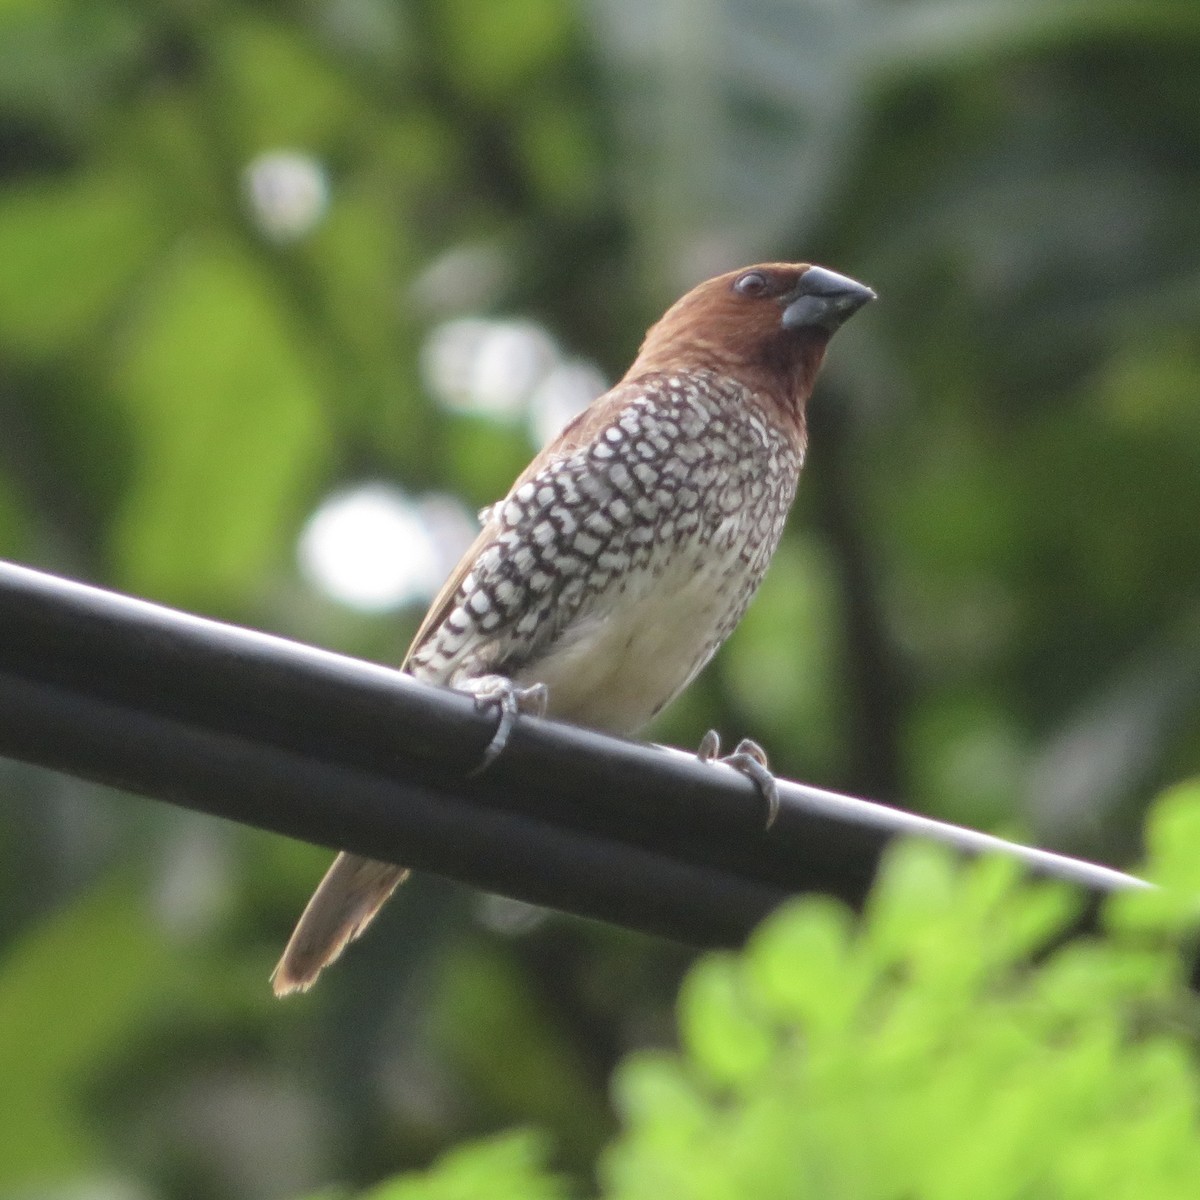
353,891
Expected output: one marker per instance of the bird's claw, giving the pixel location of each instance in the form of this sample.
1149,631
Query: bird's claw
512,700
750,759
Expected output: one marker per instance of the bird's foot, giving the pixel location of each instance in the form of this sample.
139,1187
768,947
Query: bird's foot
750,759
511,700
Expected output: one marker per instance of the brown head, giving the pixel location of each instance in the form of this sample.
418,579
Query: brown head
766,326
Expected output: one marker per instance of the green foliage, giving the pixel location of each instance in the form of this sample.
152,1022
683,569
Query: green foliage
920,1056
987,605
70,991
245,402
1173,908
926,1052
48,298
511,1167
499,1037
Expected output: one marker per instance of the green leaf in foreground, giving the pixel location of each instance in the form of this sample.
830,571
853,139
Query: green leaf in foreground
923,1054
934,1049
511,1167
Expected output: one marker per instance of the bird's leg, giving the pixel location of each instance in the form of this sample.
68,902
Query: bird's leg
750,759
501,693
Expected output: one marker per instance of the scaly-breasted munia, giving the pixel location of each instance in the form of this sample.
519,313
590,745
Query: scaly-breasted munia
629,548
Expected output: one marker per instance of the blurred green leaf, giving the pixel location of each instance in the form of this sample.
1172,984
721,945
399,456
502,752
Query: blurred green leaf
282,93
1173,906
226,396
1172,836
59,58
71,250
70,991
782,662
510,1167
490,1022
836,978
493,49
725,1037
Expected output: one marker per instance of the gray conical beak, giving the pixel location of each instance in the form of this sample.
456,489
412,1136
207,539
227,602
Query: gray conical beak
824,300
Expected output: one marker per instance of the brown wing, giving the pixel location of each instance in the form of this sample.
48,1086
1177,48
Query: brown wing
577,432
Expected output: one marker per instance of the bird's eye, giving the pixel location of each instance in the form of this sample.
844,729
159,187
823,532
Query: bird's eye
753,283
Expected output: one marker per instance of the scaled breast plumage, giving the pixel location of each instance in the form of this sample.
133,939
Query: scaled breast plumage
687,480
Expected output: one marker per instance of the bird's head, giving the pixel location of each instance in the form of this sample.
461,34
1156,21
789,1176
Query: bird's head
766,326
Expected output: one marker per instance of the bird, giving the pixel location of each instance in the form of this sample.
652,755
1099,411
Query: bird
629,548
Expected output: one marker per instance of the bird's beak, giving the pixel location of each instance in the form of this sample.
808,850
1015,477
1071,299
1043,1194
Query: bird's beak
824,300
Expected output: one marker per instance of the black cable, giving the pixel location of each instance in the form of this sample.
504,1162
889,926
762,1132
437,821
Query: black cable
346,754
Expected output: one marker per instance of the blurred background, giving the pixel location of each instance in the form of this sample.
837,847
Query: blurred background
289,290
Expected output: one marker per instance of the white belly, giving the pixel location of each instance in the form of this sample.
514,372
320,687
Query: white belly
633,651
